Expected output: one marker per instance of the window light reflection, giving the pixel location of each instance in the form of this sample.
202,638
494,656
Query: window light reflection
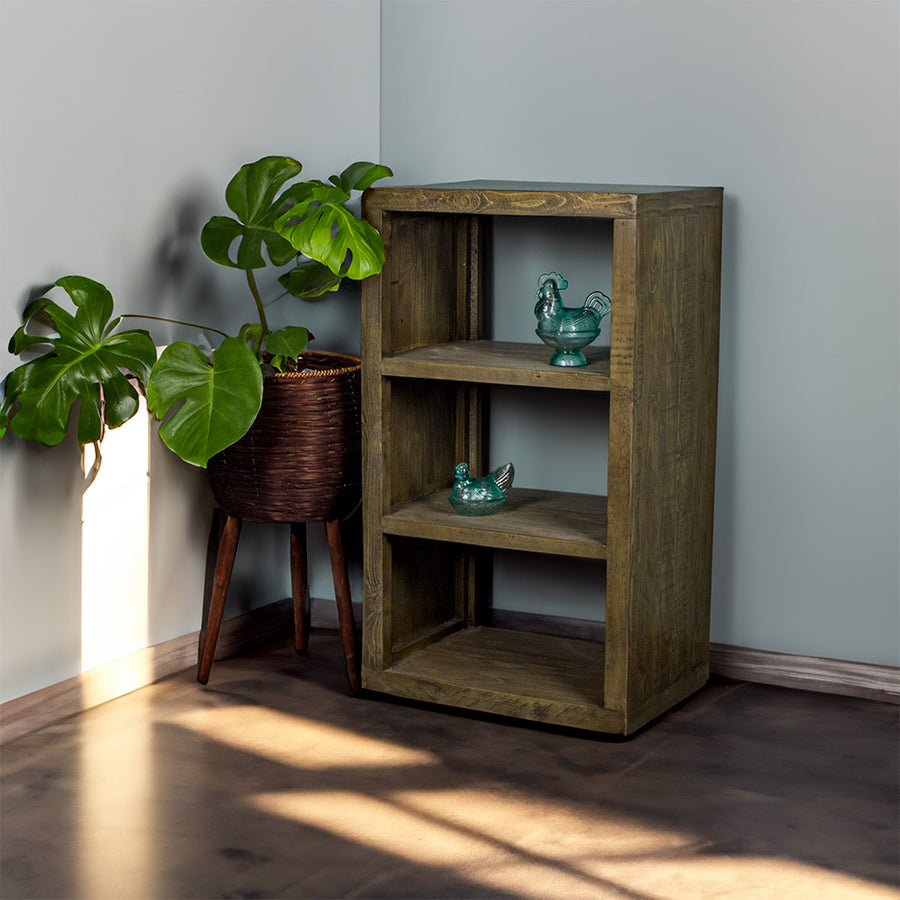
115,533
297,741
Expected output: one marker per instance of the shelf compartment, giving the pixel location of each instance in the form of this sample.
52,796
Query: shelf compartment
515,673
497,362
536,521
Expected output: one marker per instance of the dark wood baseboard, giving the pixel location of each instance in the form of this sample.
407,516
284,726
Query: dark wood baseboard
275,621
807,673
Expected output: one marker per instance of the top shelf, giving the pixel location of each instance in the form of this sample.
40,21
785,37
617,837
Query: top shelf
608,201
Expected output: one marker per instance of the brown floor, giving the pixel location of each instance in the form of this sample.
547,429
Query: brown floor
274,782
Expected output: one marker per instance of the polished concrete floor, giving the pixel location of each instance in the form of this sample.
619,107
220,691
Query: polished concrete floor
273,782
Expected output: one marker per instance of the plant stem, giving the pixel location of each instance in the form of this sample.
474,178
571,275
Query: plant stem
251,281
174,322
90,475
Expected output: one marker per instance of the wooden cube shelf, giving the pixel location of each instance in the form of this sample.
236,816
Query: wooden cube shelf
427,368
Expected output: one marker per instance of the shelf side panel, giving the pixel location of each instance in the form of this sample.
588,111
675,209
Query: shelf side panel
670,471
376,615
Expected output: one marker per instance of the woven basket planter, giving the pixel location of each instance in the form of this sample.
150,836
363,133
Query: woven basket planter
301,459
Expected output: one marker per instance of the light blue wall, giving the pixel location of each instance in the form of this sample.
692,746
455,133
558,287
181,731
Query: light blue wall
122,123
793,108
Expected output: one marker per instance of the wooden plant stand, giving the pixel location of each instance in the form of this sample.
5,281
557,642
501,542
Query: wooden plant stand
223,540
299,462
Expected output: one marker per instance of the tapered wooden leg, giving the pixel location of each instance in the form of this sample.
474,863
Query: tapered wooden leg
300,586
216,526
230,532
344,604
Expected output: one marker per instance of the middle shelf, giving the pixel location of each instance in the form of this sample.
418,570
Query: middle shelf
536,521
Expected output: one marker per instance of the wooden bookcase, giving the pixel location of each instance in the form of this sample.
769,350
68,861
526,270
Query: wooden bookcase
427,367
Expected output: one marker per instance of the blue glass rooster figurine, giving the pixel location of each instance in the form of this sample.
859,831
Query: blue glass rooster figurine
564,328
481,496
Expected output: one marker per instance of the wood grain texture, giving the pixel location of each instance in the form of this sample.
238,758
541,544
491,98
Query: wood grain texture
620,475
528,676
669,529
300,586
493,362
426,592
540,198
229,535
809,673
534,521
375,302
343,602
426,437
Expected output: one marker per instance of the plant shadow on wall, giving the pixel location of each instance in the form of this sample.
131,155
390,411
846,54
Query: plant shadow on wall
174,281
206,398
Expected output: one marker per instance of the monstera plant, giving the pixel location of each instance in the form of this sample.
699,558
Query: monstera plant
89,360
207,400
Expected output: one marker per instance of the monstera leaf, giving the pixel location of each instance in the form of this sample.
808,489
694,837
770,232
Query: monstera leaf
321,227
360,175
310,280
206,404
283,345
85,360
288,342
252,195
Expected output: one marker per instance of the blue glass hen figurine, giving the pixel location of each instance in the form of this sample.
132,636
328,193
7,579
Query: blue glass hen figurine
481,496
564,328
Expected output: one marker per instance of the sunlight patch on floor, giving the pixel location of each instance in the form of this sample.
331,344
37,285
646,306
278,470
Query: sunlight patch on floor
535,849
296,741
117,810
745,877
494,839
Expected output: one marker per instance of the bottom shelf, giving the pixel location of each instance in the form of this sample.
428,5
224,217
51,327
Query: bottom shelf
543,678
